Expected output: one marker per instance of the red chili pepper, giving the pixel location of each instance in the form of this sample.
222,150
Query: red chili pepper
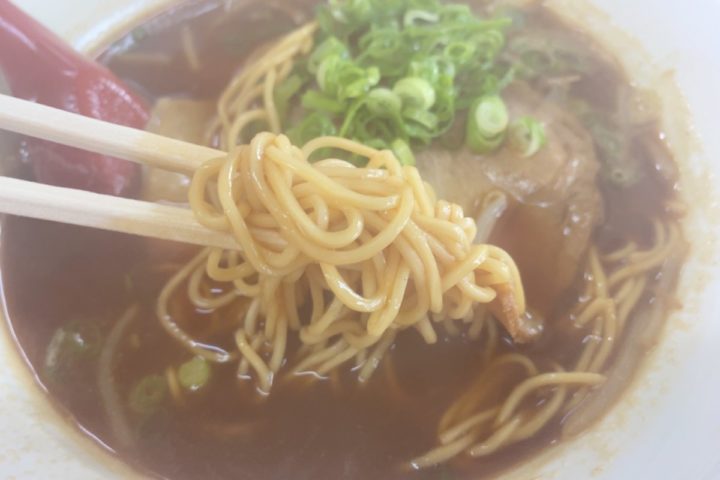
39,66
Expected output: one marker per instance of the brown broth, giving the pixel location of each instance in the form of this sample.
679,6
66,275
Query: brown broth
54,274
304,430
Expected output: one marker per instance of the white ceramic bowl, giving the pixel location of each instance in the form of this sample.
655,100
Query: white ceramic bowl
668,425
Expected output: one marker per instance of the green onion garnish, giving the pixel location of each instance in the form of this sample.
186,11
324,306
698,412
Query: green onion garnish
147,395
460,52
413,17
312,126
383,102
194,374
402,151
384,70
285,91
527,136
314,100
330,47
415,92
487,122
71,344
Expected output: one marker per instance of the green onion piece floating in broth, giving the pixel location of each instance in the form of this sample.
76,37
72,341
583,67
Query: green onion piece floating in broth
527,136
487,123
71,344
84,337
148,394
194,374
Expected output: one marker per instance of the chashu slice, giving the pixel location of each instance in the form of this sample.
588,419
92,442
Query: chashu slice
554,202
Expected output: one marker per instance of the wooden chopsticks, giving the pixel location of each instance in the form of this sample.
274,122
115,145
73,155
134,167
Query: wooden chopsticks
73,130
88,209
35,200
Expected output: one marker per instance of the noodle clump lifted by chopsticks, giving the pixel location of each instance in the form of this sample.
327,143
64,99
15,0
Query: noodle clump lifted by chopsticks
367,252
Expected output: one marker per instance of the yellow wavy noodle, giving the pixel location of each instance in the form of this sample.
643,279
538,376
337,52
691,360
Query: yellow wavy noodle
352,244
477,426
249,97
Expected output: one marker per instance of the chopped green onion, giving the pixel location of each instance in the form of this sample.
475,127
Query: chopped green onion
342,78
147,395
415,92
83,336
326,67
487,122
330,47
350,11
425,118
460,52
490,116
351,116
285,91
413,17
403,152
312,126
427,68
527,136
382,47
458,13
314,100
70,344
194,374
445,109
361,85
383,102
289,87
377,144
490,42
384,70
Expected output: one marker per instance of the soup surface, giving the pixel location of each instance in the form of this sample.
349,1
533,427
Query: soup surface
68,289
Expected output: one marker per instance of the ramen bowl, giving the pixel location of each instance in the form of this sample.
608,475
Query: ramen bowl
665,425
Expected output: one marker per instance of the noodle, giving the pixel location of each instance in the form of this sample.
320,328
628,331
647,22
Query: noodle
255,86
370,253
473,427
